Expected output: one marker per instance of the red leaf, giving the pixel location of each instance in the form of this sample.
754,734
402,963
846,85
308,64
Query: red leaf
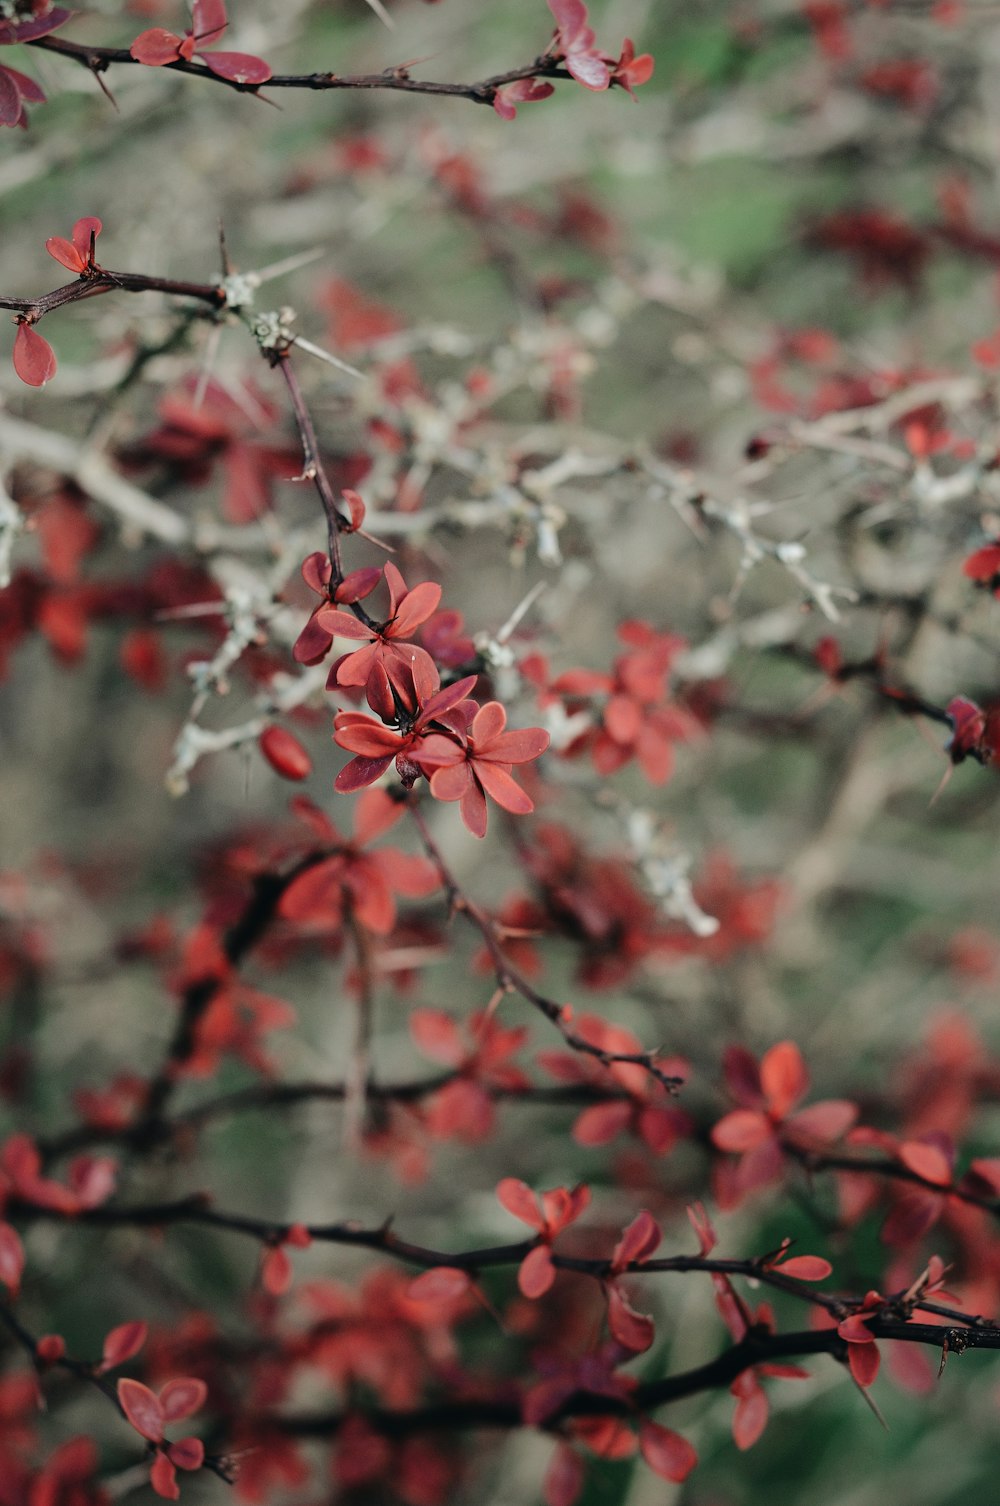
633,1330
180,1398
156,47
276,1272
536,1273
186,1453
34,358
806,1268
122,1343
65,252
783,1077
864,1362
11,1258
563,1478
209,19
240,67
639,1240
927,1161
436,1035
442,1283
142,1408
602,1123
10,99
667,1453
163,1478
750,1417
741,1130
517,1197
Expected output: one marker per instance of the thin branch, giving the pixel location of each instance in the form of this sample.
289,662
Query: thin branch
98,60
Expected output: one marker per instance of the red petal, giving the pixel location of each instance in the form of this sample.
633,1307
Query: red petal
142,1408
34,358
667,1453
156,47
240,67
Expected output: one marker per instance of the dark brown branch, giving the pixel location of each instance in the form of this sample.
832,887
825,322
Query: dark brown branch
98,60
241,937
756,1348
511,979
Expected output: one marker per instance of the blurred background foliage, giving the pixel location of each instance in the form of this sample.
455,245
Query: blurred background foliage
712,185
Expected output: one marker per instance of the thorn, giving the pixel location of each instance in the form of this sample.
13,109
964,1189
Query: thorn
382,13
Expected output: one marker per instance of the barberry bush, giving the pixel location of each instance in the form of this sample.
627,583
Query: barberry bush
499,559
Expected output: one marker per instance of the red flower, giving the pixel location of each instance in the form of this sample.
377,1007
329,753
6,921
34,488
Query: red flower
468,768
550,1214
157,47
